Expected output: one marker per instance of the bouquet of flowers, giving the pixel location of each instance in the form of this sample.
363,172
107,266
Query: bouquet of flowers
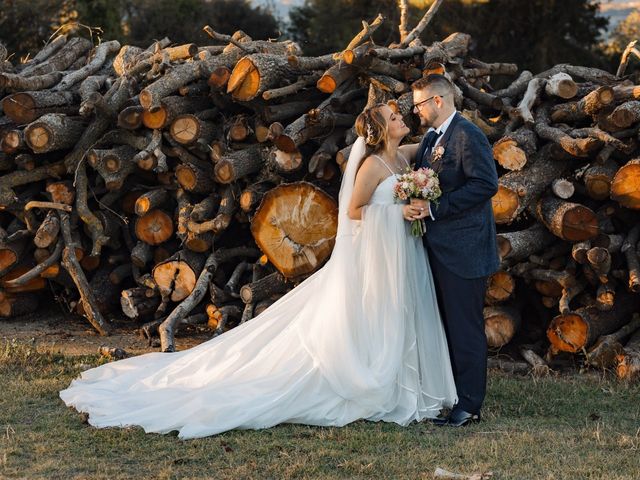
418,186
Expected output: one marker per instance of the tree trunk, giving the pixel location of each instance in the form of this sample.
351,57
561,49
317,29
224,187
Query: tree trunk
48,230
114,164
514,247
251,196
256,73
590,105
14,305
139,303
170,108
195,177
598,179
188,129
53,131
580,329
239,164
569,221
561,85
604,351
626,114
518,189
264,287
150,200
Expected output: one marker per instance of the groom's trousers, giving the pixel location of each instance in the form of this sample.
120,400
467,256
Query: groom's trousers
461,303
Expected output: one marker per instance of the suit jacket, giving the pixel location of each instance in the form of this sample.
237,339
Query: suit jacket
463,232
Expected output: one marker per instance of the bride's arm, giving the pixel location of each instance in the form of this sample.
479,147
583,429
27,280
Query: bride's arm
367,179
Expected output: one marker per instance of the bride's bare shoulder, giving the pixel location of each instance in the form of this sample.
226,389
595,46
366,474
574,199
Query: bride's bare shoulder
370,167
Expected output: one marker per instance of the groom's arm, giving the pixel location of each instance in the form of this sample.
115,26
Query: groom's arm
481,177
409,151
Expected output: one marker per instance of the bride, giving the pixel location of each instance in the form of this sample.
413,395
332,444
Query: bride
359,339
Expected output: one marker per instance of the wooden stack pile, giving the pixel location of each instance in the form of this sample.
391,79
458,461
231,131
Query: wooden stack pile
187,184
565,141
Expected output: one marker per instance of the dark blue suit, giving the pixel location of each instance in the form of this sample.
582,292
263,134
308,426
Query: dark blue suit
461,243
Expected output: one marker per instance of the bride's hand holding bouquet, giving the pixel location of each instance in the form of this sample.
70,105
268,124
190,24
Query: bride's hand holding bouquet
419,187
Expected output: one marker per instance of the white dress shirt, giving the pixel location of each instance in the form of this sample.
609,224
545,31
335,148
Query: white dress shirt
441,130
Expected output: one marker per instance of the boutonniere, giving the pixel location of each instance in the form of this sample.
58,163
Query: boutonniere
437,153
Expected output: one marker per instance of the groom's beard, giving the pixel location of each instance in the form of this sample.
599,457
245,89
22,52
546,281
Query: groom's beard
425,123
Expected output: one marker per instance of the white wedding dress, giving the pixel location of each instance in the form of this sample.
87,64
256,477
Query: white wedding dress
359,339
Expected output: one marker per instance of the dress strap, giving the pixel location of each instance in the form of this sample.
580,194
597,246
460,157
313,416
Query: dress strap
384,163
405,159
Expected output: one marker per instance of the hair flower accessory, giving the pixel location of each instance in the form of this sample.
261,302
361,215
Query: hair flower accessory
369,139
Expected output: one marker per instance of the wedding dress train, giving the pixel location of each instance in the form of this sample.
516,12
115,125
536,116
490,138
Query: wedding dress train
359,339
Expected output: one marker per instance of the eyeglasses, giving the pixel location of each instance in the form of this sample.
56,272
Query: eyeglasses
416,106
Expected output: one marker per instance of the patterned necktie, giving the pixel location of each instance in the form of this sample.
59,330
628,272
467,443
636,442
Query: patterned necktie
430,141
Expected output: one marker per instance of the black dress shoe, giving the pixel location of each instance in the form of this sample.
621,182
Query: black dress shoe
460,418
440,421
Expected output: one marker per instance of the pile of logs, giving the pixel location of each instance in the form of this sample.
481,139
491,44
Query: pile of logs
193,184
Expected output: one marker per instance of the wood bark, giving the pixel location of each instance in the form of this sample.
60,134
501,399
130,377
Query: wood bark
580,329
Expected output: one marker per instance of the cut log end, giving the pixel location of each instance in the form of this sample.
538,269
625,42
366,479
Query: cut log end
286,144
287,161
326,84
509,155
295,227
8,258
185,129
579,223
599,187
244,82
500,326
567,333
154,227
500,287
504,203
625,187
155,119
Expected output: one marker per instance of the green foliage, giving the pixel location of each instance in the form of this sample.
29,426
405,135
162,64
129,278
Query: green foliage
535,34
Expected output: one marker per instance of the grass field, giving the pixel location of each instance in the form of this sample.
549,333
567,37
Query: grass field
568,427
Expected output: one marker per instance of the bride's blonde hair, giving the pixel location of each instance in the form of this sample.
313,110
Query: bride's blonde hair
372,126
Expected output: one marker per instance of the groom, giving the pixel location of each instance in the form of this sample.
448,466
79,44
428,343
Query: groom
460,237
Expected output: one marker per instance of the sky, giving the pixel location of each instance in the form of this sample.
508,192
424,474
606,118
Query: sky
616,10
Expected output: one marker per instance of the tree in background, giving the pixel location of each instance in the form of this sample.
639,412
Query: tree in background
182,20
626,31
535,34
26,24
325,26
